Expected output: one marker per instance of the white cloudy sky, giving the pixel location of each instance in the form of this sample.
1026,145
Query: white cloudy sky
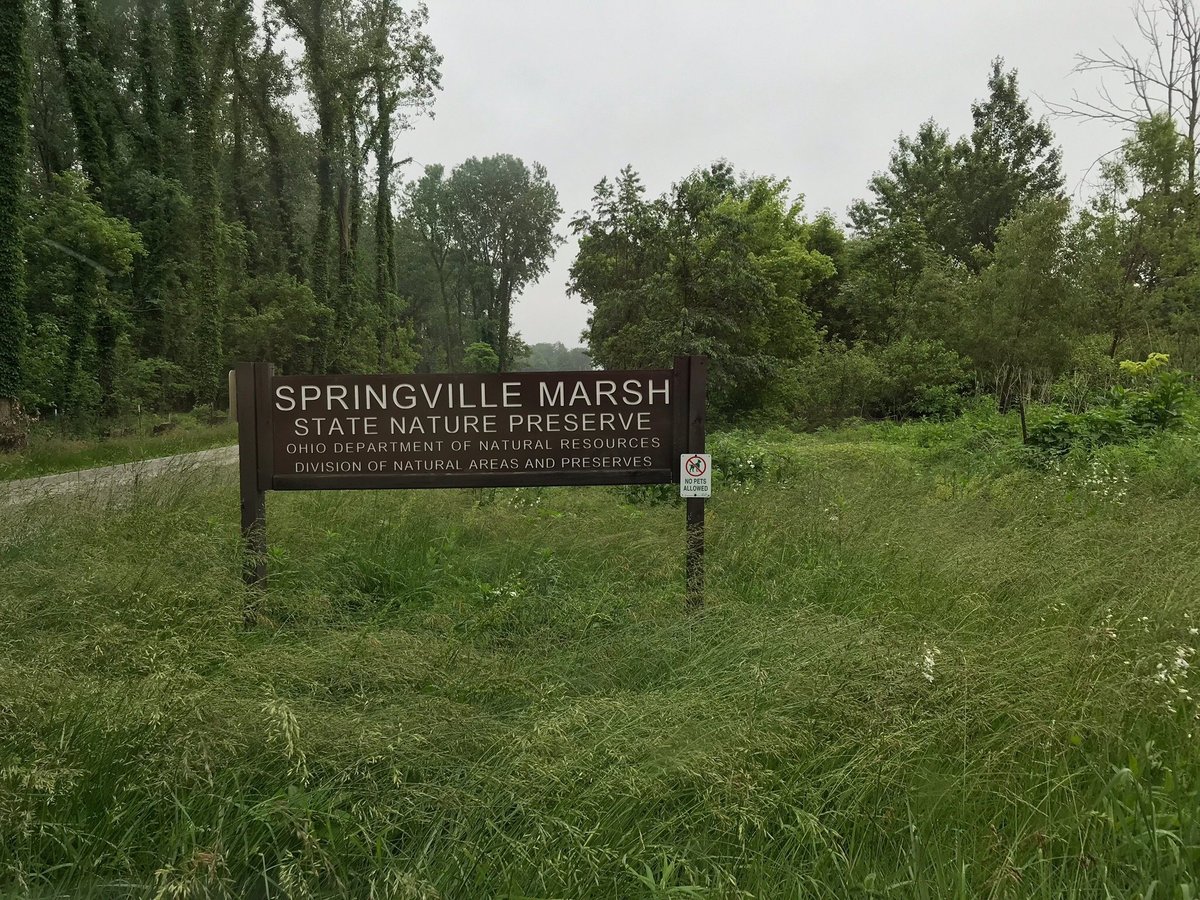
815,90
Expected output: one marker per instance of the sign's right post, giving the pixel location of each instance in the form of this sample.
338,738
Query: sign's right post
696,381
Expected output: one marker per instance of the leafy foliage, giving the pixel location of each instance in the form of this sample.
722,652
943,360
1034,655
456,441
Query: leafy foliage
14,88
720,266
555,357
1156,403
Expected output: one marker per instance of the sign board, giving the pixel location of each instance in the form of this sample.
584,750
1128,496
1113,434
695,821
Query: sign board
695,475
515,429
510,429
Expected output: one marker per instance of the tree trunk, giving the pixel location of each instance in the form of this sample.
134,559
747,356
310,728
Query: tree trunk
241,192
383,215
505,325
320,249
208,293
1114,344
152,148
93,154
264,115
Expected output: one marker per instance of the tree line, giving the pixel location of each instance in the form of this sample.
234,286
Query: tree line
181,193
966,270
187,183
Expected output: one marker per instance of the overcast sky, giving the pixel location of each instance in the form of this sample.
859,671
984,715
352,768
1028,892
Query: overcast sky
813,90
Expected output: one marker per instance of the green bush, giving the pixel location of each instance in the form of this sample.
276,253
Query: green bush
739,458
902,380
150,384
1090,376
1131,413
919,378
275,318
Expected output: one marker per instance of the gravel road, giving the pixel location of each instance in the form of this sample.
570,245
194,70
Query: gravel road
26,489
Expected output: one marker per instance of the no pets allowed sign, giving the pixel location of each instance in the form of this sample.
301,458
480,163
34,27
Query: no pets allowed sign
695,475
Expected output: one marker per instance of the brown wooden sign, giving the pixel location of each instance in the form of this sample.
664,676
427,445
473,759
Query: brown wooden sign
396,431
512,429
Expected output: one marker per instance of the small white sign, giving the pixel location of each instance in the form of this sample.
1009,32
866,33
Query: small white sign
695,475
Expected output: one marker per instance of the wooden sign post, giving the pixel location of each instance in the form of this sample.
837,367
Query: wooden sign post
697,381
509,429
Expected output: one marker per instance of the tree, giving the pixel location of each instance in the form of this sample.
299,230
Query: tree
1139,244
1008,161
14,88
481,358
177,112
556,357
205,86
265,81
1025,303
78,257
918,189
954,196
347,45
721,266
879,298
429,221
504,215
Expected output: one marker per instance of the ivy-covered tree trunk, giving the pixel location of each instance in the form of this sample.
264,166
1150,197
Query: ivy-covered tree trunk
92,149
78,334
267,119
204,91
384,255
107,330
320,248
152,145
240,163
348,201
13,88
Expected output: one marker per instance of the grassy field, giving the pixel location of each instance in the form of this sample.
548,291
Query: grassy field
927,668
50,451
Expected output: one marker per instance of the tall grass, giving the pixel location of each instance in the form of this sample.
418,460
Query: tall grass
924,670
51,450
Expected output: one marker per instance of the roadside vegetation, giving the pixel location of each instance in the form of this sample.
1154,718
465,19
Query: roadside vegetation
50,451
934,662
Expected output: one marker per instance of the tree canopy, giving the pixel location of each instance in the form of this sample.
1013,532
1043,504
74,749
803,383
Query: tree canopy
721,265
168,213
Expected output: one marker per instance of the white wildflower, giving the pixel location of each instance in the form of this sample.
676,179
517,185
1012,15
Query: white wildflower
929,655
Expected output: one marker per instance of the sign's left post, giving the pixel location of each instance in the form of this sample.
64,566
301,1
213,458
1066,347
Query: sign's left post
254,460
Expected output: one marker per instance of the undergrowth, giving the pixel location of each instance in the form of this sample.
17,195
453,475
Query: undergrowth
51,450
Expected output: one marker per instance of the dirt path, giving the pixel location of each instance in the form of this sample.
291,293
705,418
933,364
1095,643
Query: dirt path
109,477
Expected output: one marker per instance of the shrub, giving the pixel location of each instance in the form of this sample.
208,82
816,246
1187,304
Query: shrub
1156,403
1091,374
902,380
275,318
152,384
739,459
919,378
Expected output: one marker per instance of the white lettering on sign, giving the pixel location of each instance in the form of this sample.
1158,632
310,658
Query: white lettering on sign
551,422
459,395
695,475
